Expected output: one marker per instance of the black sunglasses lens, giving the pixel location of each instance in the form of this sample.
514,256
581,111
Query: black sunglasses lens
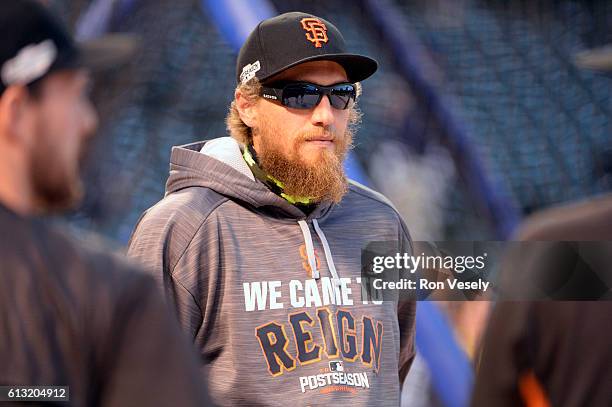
307,96
342,96
300,96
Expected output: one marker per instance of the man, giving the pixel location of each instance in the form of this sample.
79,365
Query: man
70,314
258,240
553,353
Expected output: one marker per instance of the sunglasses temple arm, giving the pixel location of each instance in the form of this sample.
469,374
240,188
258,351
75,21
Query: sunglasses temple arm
279,94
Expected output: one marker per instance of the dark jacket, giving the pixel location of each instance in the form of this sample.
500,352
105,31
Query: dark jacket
555,352
72,315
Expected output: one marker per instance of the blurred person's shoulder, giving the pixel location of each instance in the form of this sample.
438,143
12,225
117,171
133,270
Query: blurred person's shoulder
101,259
49,255
39,244
590,219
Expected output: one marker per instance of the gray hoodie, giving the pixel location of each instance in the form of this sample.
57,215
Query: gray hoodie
271,297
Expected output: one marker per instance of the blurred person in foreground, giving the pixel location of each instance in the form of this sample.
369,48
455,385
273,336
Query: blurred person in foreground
555,353
70,314
258,240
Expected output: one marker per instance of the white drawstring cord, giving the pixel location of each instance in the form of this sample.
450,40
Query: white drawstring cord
327,251
309,248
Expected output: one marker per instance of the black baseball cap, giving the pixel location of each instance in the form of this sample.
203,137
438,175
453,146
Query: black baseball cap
290,39
33,43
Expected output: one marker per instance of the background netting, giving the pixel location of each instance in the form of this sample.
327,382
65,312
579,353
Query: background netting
539,124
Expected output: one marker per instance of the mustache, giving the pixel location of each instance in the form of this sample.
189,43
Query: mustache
322,134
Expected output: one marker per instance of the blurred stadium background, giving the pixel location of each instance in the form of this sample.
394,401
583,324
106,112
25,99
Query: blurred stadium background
479,115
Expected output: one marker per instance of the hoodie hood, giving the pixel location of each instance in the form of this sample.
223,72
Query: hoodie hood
218,164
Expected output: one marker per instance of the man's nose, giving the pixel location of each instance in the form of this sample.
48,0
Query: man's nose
323,114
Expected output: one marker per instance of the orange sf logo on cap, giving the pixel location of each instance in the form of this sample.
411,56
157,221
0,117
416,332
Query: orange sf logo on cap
316,31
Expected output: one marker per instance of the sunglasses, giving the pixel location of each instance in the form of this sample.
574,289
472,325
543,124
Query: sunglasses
305,95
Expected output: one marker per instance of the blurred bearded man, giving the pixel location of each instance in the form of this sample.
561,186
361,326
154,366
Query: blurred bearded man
258,240
71,314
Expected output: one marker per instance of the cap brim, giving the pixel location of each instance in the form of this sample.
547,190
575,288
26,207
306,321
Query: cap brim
357,67
107,52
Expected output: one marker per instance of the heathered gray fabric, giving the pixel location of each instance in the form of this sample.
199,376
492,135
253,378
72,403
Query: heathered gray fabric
217,233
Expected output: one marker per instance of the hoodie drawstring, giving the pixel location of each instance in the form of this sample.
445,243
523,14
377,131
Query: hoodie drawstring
310,250
312,262
327,250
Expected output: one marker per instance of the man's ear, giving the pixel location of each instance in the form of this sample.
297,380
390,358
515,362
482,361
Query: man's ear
13,113
246,109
